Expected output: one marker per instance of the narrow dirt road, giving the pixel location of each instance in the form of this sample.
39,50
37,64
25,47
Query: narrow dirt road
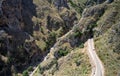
97,66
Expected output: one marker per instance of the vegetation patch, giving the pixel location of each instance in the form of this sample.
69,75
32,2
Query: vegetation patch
81,45
25,73
62,53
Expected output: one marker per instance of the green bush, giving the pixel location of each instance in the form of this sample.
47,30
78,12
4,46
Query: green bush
62,53
25,73
40,69
77,34
78,8
81,45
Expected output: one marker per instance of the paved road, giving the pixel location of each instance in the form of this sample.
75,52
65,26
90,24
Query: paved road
97,66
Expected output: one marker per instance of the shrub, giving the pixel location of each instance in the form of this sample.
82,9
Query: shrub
77,34
25,73
62,53
78,62
81,45
78,8
40,69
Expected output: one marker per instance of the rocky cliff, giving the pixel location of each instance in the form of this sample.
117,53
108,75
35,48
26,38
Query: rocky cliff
17,46
28,28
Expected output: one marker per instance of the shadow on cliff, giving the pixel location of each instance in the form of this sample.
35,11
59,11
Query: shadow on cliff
21,54
28,11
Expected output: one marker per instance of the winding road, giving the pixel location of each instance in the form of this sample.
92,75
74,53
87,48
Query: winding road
97,66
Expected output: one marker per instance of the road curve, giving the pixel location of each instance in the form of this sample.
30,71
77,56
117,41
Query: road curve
97,66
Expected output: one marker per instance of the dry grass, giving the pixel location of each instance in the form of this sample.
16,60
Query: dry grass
76,63
41,44
108,57
69,67
104,48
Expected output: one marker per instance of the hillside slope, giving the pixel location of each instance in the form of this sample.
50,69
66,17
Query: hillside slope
51,33
107,39
101,22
